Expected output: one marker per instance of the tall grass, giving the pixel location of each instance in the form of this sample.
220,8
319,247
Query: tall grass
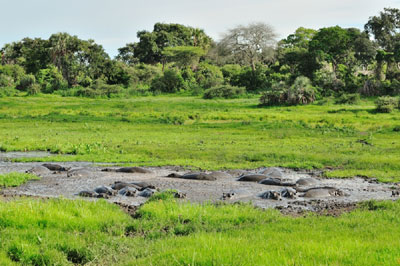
167,232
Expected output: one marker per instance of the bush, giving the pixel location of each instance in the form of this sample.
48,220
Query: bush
15,72
6,81
224,91
208,76
276,96
50,79
170,82
301,92
33,89
353,98
26,82
386,104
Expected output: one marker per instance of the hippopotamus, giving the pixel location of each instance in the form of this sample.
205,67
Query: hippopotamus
87,193
322,192
194,176
272,181
236,194
78,173
56,167
220,175
309,181
137,185
147,193
128,192
104,190
199,176
252,178
128,170
272,172
288,193
38,170
270,195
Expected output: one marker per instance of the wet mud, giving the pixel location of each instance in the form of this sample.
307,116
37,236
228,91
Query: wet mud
287,190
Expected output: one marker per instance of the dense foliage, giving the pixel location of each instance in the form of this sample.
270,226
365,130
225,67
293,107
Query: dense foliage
299,69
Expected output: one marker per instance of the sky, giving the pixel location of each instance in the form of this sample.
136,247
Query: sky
113,23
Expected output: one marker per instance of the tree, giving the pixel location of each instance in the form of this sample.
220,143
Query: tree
332,45
151,45
385,28
386,31
249,44
294,52
183,56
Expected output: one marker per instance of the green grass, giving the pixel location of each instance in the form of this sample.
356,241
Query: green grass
15,179
208,134
166,232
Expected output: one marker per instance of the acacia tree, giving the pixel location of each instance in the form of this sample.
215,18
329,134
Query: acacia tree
249,44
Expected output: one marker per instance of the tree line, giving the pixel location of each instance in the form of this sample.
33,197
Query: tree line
304,66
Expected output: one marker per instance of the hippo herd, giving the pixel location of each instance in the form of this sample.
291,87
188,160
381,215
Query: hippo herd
271,178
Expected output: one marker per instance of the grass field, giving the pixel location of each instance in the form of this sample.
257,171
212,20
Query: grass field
188,131
208,134
165,232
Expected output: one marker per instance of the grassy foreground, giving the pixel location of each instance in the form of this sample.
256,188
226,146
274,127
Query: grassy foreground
166,232
210,134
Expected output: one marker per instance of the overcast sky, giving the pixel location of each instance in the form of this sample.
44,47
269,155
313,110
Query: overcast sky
113,23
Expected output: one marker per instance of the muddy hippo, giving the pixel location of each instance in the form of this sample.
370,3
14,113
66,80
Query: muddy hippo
121,185
104,190
270,195
78,173
128,192
236,194
87,193
322,192
307,181
288,193
147,193
272,181
252,178
220,175
139,170
55,167
137,185
199,176
38,170
272,172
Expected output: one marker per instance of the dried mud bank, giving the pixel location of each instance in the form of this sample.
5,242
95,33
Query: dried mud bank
283,189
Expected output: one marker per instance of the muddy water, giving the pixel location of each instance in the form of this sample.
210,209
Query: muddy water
56,184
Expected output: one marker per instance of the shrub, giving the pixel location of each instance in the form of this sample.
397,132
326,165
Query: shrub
208,76
15,72
348,98
6,81
301,92
170,82
50,79
386,104
33,89
26,82
276,96
224,91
